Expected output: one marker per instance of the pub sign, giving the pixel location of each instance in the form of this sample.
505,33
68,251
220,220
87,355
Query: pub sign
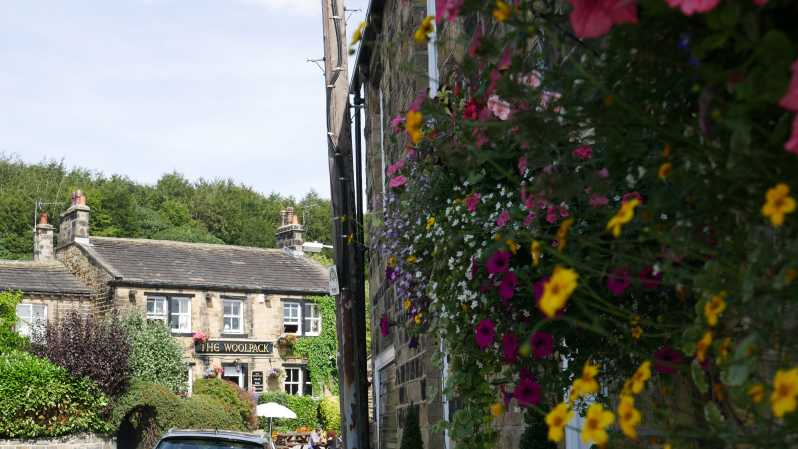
234,347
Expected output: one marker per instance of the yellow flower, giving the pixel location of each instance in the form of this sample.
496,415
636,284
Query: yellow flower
413,126
703,345
535,250
586,384
496,409
392,261
562,233
358,33
557,290
512,246
417,319
642,374
502,11
667,446
778,204
596,421
407,304
423,31
665,170
785,390
714,307
411,259
723,349
430,222
757,393
623,216
666,151
628,416
557,419
637,332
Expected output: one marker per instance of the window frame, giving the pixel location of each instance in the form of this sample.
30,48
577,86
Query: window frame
155,316
298,383
26,330
298,321
308,319
240,316
172,314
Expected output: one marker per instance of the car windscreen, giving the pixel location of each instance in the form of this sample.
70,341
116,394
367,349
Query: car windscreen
202,443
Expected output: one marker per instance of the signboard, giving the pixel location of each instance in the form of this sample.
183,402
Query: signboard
257,380
234,347
334,290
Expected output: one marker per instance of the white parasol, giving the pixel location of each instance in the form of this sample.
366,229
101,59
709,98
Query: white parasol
274,410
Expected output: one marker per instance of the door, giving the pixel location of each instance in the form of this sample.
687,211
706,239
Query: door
235,374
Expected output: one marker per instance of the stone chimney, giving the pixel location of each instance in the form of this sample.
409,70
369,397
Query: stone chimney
290,234
43,240
75,221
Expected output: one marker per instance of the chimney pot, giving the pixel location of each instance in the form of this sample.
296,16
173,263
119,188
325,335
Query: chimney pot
43,218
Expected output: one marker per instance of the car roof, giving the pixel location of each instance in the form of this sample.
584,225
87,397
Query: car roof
226,435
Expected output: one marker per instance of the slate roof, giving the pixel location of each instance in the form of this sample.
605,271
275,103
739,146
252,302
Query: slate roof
39,277
160,263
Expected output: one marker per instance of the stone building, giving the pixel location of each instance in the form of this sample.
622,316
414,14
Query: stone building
234,309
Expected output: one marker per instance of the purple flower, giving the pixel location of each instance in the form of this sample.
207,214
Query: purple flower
666,359
522,164
499,262
542,344
537,288
510,346
618,281
648,279
413,343
527,392
507,286
485,333
391,274
384,325
503,218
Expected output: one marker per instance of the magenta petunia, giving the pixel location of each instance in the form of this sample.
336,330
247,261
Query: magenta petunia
542,344
471,202
396,124
792,144
395,167
585,152
530,217
507,286
690,7
790,100
618,281
499,262
667,359
503,218
485,333
527,392
384,325
632,196
476,41
603,173
522,164
538,287
447,9
597,200
648,279
391,273
594,18
551,214
510,345
397,181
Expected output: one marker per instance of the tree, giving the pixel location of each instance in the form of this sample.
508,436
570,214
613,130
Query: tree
156,356
411,431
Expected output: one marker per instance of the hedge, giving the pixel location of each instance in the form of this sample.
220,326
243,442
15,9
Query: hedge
305,407
330,414
237,402
40,399
156,356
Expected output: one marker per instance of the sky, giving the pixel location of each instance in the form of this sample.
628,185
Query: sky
208,88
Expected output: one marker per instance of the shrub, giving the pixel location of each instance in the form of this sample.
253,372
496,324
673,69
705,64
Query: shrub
411,431
86,346
156,356
148,410
305,407
330,413
237,402
41,399
9,338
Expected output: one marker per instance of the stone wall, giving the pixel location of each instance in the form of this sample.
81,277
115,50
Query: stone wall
59,305
94,276
84,441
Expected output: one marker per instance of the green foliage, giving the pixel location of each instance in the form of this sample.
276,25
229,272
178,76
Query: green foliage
40,399
320,351
535,434
237,402
305,407
330,414
411,431
9,339
155,355
217,211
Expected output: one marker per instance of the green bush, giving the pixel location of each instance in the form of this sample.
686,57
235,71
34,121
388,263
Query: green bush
330,414
9,338
305,407
237,402
155,355
40,399
411,431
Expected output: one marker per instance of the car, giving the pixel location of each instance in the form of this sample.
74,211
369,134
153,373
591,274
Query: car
210,439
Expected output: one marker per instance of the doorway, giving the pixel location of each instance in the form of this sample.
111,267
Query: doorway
236,374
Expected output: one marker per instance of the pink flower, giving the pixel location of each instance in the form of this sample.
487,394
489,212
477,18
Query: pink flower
618,281
597,200
476,41
527,392
395,167
384,324
447,9
510,347
499,262
397,182
790,100
531,79
792,144
584,152
542,344
472,201
507,286
200,337
506,59
522,164
551,214
632,196
471,110
418,101
396,124
547,97
594,18
499,107
690,7
495,75
411,153
648,279
485,333
530,217
503,218
603,173
667,359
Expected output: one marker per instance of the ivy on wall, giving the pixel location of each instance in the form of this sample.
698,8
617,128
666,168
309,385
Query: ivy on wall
320,351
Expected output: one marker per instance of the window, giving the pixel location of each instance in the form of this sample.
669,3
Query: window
180,314
30,318
291,318
157,308
312,319
293,381
233,316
